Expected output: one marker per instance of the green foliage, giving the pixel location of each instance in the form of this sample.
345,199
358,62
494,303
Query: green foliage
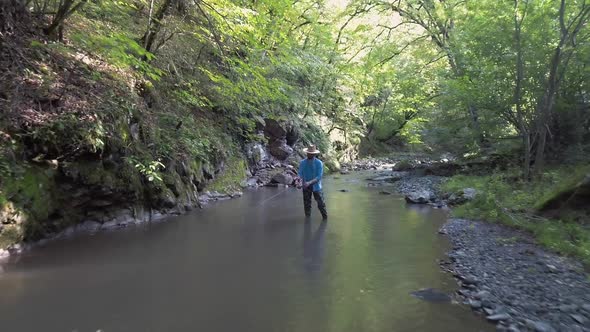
120,50
68,134
149,169
503,198
313,134
230,178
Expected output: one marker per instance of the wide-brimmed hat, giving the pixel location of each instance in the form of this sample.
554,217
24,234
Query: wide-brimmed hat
311,150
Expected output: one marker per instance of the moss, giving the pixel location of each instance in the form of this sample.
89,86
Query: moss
231,177
33,193
9,235
564,180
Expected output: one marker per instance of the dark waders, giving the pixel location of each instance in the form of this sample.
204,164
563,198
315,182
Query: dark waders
319,198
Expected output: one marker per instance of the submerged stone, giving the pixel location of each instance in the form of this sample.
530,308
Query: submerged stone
431,295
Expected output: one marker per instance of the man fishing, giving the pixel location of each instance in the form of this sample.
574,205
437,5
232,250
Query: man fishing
311,170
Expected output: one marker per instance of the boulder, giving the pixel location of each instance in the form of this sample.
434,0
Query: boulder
274,130
252,182
403,165
463,196
332,164
282,178
280,150
256,154
292,134
420,197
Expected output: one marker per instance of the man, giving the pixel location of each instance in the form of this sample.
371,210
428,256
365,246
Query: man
311,170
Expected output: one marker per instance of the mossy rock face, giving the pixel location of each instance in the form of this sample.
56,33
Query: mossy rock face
29,200
230,178
574,198
332,164
9,235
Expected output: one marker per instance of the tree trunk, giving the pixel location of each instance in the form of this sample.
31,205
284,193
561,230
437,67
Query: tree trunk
66,8
522,126
151,34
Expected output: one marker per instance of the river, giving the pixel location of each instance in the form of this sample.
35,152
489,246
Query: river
250,264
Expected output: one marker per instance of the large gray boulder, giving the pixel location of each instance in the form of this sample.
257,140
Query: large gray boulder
273,129
282,178
463,196
279,149
420,197
292,134
256,154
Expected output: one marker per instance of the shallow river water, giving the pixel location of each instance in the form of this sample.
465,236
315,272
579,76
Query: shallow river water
250,264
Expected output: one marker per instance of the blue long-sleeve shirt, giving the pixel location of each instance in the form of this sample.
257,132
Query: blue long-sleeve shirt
310,169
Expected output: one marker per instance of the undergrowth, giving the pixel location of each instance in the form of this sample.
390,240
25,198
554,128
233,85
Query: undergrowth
504,198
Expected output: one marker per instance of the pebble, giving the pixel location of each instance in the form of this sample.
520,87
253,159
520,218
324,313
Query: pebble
538,326
578,318
475,304
498,317
505,282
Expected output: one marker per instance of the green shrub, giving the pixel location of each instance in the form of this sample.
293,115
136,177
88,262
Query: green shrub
502,198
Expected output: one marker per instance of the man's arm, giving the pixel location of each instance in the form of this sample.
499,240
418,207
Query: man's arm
318,175
319,172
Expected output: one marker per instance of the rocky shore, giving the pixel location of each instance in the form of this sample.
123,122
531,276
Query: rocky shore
502,274
507,278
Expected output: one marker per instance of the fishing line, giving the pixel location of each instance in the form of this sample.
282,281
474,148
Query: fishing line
273,196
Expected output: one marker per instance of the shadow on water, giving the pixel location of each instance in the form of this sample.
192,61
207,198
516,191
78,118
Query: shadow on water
313,245
252,264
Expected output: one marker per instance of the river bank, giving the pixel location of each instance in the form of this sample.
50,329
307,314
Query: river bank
502,272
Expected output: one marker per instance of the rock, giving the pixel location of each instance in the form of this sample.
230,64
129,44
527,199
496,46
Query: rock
344,171
568,307
385,192
279,149
110,224
498,317
539,326
89,226
481,295
475,304
252,182
167,200
256,154
579,318
282,178
513,328
432,295
134,130
469,193
332,164
403,165
419,197
100,203
292,134
343,190
470,280
550,268
274,130
462,196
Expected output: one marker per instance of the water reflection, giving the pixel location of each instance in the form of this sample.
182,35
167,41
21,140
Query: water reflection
313,246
